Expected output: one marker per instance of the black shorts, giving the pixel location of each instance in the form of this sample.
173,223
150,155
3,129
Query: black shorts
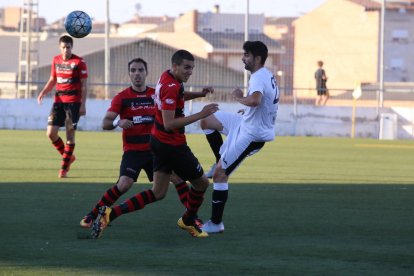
322,91
134,161
60,111
180,159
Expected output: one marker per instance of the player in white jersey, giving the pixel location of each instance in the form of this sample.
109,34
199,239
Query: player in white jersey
246,131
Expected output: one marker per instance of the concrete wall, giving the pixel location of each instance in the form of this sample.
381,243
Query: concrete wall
304,120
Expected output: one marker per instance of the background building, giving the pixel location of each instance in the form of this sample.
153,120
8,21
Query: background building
346,35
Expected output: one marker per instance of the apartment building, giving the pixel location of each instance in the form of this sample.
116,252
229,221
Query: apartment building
219,37
346,35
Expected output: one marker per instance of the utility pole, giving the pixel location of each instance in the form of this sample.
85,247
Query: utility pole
107,51
28,48
246,38
381,65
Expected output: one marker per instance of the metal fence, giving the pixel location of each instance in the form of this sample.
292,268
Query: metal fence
393,97
216,39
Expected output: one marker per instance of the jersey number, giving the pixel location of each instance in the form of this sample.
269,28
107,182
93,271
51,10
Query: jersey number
274,86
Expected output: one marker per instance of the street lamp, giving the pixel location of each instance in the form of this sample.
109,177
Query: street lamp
381,69
107,50
246,38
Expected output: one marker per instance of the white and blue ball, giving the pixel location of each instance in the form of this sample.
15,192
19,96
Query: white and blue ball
78,24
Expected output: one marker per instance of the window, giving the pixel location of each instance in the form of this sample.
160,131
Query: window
218,58
400,36
397,64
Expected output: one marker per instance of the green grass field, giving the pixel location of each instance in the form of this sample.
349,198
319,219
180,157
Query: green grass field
302,206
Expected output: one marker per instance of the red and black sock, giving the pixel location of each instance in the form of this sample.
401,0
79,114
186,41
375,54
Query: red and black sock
108,198
59,145
215,140
67,155
182,191
132,204
194,201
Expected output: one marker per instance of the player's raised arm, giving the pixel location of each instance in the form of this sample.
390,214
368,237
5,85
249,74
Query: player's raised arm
251,100
171,122
203,93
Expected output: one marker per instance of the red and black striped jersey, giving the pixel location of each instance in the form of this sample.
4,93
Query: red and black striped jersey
139,108
68,75
169,95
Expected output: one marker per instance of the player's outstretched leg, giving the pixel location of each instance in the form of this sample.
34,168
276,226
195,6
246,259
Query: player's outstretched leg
108,199
215,141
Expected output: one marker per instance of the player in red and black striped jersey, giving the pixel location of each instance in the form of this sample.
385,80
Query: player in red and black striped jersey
173,155
168,141
69,74
135,108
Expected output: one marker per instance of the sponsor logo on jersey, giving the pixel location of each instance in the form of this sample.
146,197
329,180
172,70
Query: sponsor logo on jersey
142,119
171,85
61,80
141,105
169,101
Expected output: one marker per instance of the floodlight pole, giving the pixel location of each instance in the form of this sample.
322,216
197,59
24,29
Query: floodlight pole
107,51
28,51
381,71
246,38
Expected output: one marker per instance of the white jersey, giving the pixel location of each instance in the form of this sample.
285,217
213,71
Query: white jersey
259,121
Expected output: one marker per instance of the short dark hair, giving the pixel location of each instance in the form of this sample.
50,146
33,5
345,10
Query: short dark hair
257,48
138,60
66,39
180,55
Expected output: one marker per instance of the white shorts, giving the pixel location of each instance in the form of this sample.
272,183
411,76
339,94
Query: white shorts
238,145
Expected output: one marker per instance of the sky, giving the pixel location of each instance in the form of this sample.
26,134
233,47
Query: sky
123,10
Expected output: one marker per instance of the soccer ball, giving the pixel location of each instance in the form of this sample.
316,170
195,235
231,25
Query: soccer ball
78,24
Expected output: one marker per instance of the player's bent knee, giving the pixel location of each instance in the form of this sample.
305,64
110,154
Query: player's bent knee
159,195
207,124
203,124
52,136
200,184
220,176
125,184
160,191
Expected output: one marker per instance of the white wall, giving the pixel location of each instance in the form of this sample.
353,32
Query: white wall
309,120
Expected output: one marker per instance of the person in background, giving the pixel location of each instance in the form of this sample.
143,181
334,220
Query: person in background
321,89
69,74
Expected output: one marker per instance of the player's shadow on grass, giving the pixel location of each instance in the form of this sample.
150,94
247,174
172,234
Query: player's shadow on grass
270,228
